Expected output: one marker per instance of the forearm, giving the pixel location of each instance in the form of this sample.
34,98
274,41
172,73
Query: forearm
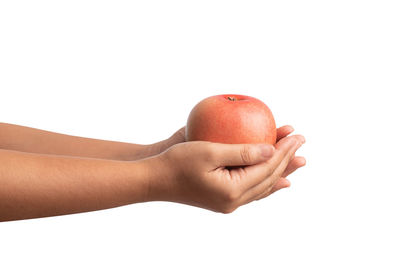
14,137
35,185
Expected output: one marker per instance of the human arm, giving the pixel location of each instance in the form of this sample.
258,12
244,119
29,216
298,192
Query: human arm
38,185
26,139
195,173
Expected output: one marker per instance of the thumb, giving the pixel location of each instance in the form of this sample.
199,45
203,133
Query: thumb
242,154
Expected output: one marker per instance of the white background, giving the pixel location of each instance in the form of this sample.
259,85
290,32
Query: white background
132,70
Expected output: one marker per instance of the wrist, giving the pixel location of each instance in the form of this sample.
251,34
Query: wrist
159,178
132,152
158,147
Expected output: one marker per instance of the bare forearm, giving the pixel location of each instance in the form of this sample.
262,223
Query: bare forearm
35,185
20,138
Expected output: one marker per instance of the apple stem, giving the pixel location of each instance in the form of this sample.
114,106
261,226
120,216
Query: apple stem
232,98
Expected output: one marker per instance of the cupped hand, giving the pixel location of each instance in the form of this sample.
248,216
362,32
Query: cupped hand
222,177
179,137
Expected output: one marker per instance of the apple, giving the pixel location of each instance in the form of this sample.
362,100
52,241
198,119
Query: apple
231,119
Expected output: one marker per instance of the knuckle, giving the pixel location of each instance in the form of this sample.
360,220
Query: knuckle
231,196
227,210
245,154
209,153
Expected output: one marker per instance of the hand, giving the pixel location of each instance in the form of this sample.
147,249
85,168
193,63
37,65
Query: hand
179,137
159,147
221,177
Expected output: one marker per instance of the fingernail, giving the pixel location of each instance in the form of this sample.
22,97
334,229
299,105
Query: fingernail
266,150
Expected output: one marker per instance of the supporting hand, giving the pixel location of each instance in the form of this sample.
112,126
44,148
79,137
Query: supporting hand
221,177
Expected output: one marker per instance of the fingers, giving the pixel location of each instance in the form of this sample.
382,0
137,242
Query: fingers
179,136
281,184
240,154
294,164
283,132
285,149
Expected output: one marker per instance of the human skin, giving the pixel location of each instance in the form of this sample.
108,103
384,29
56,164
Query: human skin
35,184
223,177
26,139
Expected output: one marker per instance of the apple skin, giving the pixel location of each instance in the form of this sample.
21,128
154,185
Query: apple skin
233,119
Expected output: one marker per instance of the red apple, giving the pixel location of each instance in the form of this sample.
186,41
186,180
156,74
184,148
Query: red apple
231,119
